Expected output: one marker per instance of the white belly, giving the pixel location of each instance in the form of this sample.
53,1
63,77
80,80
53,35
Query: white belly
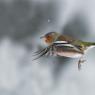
69,54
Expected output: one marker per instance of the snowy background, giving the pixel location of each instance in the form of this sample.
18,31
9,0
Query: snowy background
22,22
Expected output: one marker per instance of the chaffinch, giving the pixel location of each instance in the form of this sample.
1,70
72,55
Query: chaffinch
63,45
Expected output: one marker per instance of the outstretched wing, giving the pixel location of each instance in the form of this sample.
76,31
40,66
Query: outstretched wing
41,53
60,48
67,50
65,45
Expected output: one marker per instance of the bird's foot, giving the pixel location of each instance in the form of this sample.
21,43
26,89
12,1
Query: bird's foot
79,63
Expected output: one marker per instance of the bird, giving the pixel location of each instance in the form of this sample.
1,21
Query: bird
64,45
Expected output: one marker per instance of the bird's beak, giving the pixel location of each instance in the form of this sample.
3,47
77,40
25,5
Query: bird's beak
41,37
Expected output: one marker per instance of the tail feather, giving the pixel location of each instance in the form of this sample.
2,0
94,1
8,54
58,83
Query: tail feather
89,45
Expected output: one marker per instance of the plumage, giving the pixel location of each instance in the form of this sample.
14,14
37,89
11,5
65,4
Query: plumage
63,45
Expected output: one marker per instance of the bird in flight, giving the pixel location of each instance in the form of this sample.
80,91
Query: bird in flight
63,45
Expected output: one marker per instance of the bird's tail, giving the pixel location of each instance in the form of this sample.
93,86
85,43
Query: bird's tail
89,45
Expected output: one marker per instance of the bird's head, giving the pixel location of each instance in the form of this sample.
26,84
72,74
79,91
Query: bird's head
50,37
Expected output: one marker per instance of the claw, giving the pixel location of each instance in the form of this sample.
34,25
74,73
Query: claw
79,66
79,63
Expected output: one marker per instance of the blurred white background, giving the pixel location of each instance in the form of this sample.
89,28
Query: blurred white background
22,22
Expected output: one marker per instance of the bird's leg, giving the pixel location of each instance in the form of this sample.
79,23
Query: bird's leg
79,62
